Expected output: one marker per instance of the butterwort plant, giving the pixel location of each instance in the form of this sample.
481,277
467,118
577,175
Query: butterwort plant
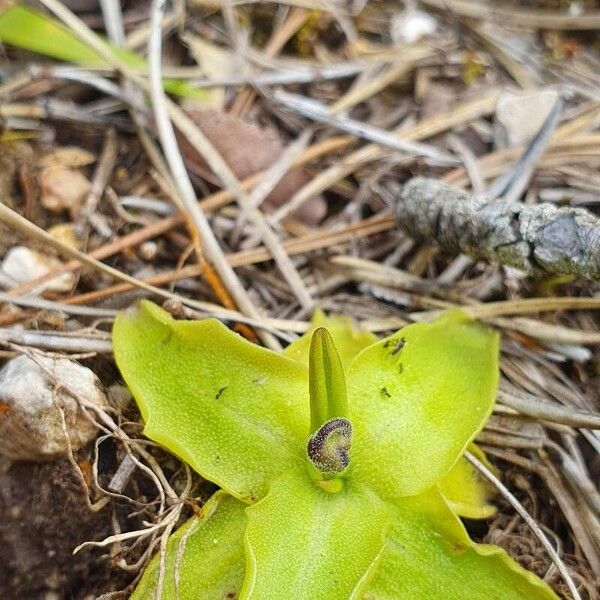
339,461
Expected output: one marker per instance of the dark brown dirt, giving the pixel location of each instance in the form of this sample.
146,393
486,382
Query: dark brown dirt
43,517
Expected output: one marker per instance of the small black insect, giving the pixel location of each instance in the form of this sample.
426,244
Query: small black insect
400,342
385,393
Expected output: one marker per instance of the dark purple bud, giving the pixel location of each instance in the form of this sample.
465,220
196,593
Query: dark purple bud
328,447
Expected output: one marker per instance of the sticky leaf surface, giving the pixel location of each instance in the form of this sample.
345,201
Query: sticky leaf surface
204,558
239,415
430,556
308,544
235,412
417,399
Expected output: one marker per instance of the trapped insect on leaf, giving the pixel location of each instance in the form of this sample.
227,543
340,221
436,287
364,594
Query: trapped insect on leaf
339,460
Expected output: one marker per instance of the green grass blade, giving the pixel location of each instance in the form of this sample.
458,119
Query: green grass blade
34,31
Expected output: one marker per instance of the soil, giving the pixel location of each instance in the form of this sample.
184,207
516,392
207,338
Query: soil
43,517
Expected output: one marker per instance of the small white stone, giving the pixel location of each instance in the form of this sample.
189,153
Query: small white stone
522,114
410,25
576,9
21,264
148,250
31,393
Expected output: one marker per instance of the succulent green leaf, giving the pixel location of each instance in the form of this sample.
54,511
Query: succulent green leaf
349,339
468,494
305,543
204,558
417,399
236,413
326,381
35,31
429,556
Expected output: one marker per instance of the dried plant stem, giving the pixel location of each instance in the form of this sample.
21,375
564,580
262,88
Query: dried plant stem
196,138
314,241
208,204
163,108
58,342
528,404
560,565
43,304
399,69
322,114
222,170
428,127
183,183
104,169
90,38
518,17
564,499
28,229
280,36
564,142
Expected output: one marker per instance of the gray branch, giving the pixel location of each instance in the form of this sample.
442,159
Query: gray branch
540,239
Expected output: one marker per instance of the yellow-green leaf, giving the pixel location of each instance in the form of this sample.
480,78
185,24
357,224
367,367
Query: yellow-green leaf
304,543
236,413
204,558
468,494
417,399
429,556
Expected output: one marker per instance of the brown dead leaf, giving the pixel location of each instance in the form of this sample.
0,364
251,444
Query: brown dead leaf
247,149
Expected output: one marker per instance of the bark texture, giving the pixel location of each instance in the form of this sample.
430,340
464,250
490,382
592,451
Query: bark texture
541,239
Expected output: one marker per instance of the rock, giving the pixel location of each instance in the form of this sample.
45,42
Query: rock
31,393
63,188
21,264
522,113
410,25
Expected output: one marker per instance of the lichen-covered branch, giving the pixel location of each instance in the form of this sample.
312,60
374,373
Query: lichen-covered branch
540,239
